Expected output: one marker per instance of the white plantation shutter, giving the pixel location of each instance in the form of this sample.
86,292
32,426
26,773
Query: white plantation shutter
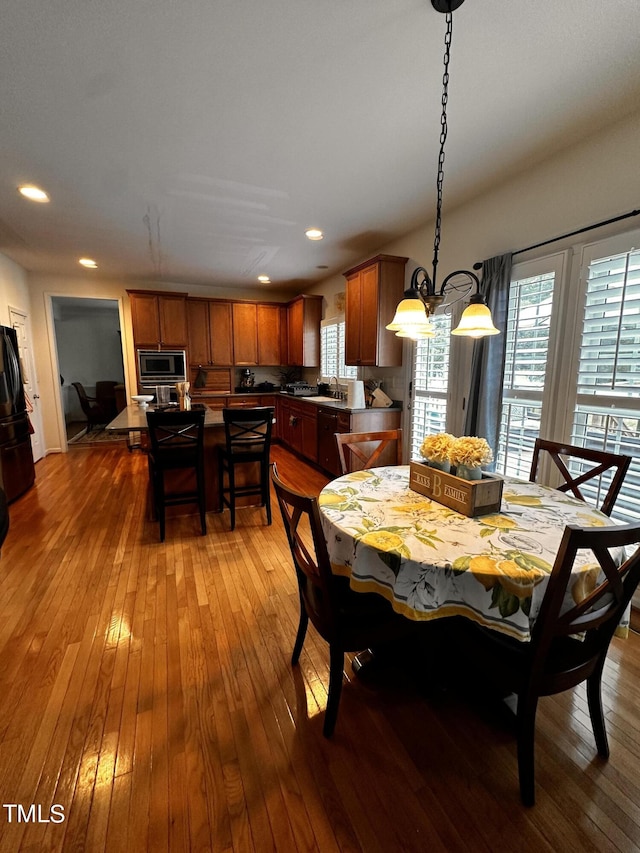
332,343
526,360
607,411
430,384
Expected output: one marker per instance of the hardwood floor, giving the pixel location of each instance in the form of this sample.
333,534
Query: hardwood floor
146,689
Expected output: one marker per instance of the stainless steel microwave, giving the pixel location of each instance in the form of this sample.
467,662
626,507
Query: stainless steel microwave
161,368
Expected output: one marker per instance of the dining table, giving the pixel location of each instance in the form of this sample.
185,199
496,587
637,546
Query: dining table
431,562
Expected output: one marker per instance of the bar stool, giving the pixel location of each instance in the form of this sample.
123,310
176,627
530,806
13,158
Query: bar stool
177,444
248,440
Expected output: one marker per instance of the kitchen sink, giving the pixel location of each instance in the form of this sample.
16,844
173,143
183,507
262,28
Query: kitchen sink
323,399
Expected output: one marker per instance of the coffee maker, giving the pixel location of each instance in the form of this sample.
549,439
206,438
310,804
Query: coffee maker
247,378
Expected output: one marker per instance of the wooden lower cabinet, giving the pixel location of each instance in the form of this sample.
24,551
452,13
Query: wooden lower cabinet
310,430
299,427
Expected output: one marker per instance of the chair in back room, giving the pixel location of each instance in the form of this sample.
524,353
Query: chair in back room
247,443
593,464
94,410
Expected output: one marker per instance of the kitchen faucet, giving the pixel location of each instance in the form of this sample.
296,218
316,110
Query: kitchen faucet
336,394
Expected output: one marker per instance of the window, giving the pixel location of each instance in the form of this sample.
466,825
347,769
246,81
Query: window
430,383
332,337
606,414
527,342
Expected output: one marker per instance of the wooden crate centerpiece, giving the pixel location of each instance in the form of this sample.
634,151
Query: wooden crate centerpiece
468,497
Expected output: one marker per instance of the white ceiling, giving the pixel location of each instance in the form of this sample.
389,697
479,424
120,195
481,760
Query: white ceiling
195,140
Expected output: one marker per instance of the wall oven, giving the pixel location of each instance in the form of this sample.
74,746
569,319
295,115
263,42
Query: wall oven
161,368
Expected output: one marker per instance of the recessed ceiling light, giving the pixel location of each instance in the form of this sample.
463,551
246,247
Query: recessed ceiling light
264,279
89,263
33,193
314,233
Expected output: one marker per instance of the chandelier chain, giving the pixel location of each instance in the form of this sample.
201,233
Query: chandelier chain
443,139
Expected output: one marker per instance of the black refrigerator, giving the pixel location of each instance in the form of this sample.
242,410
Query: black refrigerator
17,471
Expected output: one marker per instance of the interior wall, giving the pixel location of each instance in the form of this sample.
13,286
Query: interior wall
14,289
586,183
594,180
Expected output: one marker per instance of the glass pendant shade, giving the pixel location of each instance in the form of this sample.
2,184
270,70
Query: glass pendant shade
411,320
476,322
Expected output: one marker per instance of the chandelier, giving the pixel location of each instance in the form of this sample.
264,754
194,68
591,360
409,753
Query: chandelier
412,317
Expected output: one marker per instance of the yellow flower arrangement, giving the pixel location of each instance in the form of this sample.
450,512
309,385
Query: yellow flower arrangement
471,451
437,446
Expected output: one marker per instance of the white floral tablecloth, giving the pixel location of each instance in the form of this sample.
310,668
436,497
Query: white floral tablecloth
430,562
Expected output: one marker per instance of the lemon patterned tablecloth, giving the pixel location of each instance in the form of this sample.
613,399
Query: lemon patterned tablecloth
429,561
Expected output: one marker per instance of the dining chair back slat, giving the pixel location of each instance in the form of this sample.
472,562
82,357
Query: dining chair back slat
367,448
602,460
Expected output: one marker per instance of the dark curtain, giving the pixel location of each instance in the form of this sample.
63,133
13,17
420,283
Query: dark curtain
484,406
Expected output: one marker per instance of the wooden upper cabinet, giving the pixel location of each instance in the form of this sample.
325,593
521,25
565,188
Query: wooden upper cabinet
221,332
373,290
210,332
304,314
268,319
245,332
158,319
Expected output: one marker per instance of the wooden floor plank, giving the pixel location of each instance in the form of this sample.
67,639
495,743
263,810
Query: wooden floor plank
147,688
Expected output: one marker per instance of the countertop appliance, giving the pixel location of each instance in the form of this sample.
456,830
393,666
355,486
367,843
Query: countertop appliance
247,378
17,471
301,389
161,367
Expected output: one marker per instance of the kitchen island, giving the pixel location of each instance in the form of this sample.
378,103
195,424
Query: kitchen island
134,419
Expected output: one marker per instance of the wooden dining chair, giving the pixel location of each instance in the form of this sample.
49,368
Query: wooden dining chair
247,442
601,460
361,450
176,450
567,647
347,620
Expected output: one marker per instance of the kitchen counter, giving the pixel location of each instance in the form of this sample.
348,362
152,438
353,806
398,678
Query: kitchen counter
134,418
340,405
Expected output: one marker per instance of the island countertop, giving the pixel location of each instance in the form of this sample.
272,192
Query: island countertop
134,418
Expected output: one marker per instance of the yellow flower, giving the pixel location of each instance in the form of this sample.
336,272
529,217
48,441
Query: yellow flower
382,540
437,446
471,451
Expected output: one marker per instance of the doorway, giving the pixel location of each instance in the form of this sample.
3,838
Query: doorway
89,350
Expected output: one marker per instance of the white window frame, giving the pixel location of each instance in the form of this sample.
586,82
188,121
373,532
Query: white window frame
555,264
343,371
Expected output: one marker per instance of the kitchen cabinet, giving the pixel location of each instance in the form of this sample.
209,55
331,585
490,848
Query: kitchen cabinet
245,332
309,429
304,314
209,325
331,421
159,320
299,427
268,321
373,290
